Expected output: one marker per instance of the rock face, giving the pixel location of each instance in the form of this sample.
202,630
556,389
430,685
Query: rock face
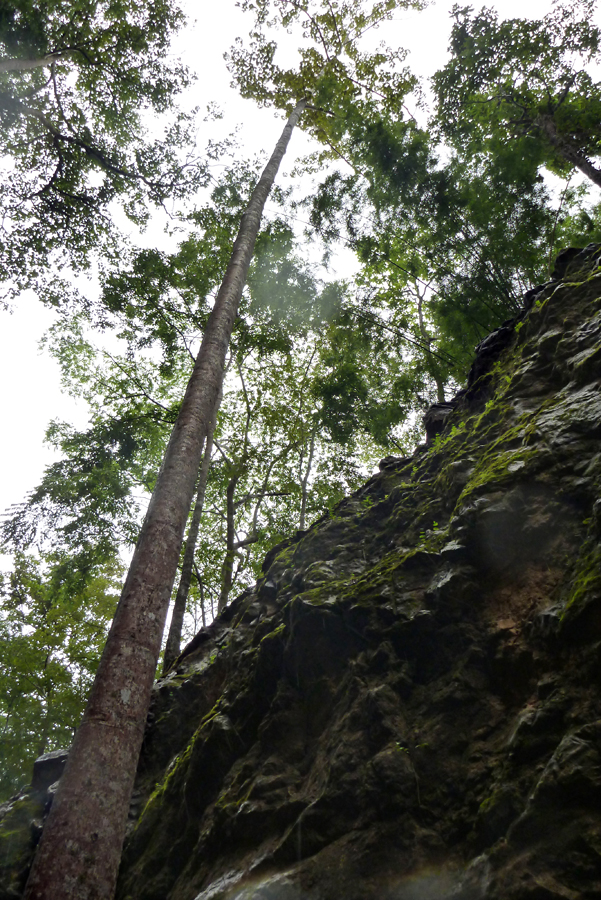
21,823
407,707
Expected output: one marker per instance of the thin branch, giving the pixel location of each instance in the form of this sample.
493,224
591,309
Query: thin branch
223,453
136,380
314,23
333,14
564,94
371,90
337,151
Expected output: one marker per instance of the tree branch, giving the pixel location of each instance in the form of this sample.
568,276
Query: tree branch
13,103
24,65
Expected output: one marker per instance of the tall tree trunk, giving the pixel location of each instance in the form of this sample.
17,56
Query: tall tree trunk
566,149
172,647
78,857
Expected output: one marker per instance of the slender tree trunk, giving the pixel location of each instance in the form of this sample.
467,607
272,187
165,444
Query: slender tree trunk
201,589
570,153
172,647
230,552
227,569
44,731
427,339
78,857
232,545
305,483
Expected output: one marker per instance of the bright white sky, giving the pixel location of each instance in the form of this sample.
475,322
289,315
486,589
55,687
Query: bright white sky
30,394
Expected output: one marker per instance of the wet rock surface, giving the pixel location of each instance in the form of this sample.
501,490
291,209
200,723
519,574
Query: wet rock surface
435,418
22,820
407,704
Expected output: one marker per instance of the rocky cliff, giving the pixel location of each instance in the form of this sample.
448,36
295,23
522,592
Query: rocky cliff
407,704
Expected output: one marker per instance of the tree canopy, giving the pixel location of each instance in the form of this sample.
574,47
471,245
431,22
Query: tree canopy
525,82
79,82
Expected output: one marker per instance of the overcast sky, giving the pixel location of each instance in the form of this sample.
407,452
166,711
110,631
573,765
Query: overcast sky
30,394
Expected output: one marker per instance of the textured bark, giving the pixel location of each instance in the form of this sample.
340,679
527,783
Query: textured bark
79,854
172,647
570,153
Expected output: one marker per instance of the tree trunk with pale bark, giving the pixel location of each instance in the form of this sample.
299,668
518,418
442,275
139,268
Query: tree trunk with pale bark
174,637
78,857
227,570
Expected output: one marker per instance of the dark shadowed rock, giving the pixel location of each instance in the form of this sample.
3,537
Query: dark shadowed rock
436,417
21,822
48,768
573,260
